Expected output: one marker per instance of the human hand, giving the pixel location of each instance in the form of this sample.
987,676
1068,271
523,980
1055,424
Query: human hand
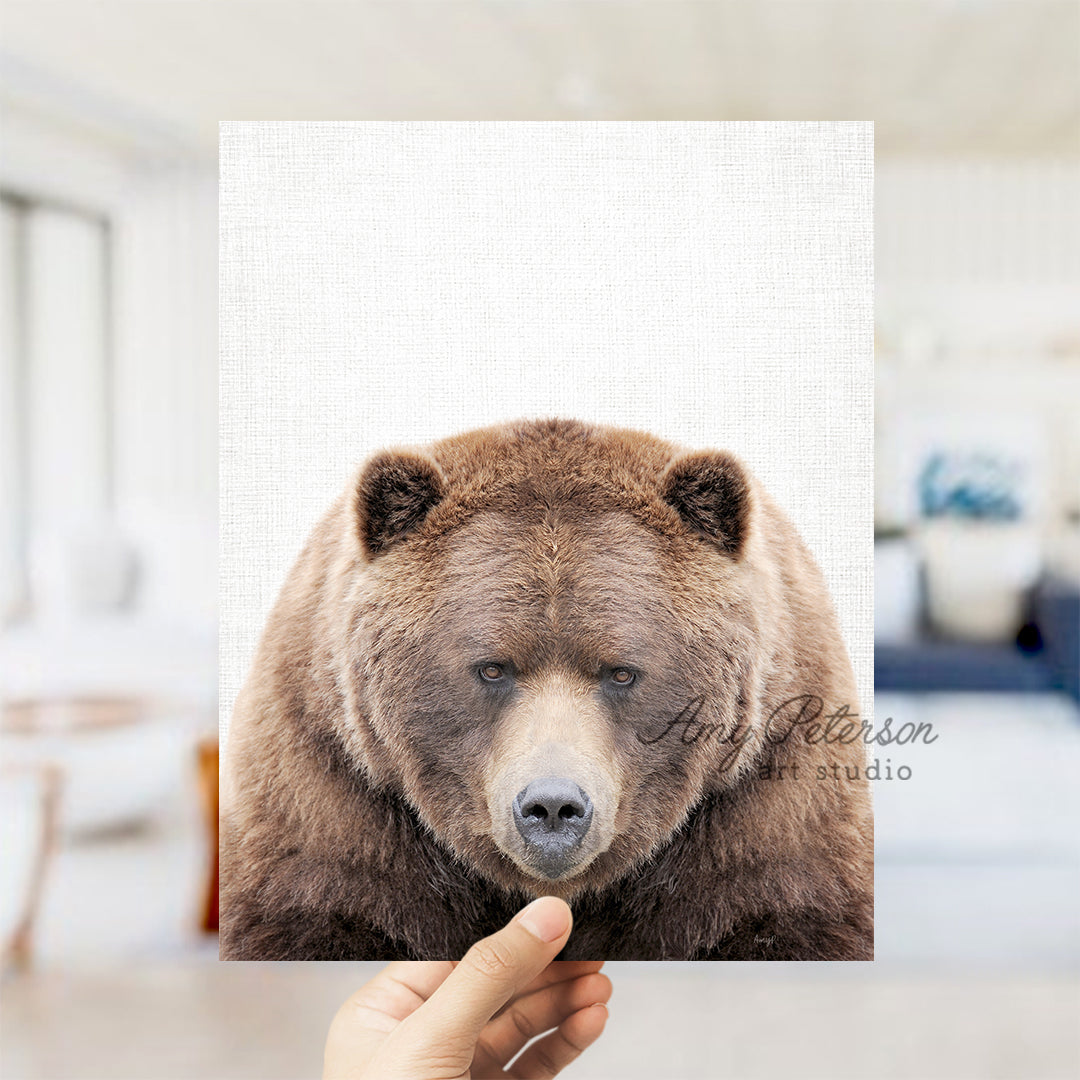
443,1020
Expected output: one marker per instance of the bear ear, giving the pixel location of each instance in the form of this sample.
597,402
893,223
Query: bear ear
396,491
711,493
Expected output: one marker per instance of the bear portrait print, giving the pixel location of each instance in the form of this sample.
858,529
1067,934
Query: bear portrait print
546,537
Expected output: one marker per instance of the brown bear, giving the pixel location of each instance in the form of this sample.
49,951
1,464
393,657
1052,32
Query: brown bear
556,658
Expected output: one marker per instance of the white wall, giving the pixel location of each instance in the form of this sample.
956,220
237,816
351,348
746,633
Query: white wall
978,310
984,253
166,385
162,209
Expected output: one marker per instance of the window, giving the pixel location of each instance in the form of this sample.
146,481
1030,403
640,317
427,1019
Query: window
55,388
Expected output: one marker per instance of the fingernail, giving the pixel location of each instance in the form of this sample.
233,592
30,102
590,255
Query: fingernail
546,918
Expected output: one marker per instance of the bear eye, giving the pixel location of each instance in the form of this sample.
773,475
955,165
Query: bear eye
622,676
492,672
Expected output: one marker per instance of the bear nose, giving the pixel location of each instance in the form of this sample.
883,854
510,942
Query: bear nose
552,814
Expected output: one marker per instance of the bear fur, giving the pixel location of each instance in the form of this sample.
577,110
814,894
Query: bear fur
464,618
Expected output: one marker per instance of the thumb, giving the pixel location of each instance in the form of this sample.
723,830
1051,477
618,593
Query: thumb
490,973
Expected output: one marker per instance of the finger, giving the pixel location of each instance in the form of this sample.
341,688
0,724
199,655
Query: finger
528,1017
424,977
548,1056
490,973
556,972
420,977
395,992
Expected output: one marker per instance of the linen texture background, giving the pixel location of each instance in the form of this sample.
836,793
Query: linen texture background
390,283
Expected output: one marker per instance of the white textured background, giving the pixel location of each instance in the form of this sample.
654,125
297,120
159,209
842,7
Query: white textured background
386,283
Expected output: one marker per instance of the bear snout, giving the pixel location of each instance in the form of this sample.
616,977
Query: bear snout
552,816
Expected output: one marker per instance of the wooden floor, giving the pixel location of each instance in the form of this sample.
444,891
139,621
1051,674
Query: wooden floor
267,1021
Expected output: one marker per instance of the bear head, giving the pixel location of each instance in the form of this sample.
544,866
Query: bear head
551,643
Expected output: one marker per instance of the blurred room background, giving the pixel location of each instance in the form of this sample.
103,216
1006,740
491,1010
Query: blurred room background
108,509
